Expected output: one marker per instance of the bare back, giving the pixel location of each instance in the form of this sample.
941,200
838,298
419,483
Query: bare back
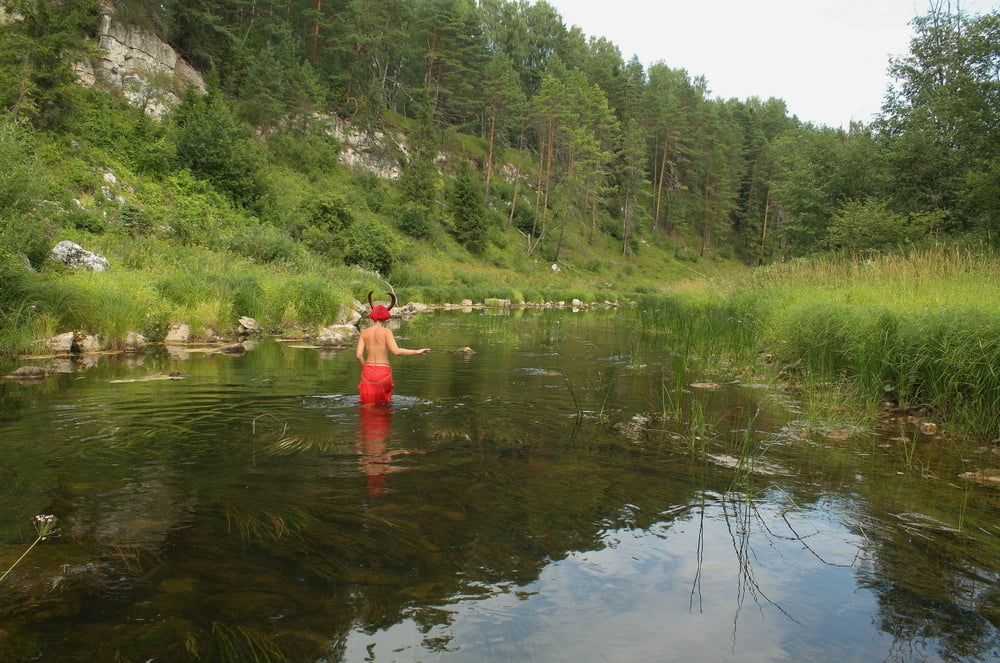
378,343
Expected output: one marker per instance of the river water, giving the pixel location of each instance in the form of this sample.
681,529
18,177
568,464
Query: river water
541,500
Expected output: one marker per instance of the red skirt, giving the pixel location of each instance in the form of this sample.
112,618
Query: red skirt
376,383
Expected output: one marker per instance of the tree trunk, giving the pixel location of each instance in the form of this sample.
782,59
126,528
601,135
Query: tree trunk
489,154
513,201
315,39
625,227
659,187
763,234
706,225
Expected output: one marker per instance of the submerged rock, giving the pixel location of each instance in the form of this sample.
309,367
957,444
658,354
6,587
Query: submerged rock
929,428
156,377
988,477
76,257
706,386
234,349
30,373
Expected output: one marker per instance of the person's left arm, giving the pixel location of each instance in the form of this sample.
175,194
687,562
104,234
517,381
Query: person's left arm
396,350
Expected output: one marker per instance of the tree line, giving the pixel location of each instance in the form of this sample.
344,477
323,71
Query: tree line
598,143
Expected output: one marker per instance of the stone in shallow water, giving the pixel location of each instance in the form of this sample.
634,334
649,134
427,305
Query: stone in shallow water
707,386
988,477
30,373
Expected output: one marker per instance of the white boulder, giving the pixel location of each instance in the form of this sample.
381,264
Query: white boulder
61,344
178,335
76,257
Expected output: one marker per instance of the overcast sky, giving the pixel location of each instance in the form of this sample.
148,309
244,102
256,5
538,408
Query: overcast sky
826,58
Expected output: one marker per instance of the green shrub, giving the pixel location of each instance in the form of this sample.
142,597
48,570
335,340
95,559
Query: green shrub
872,226
685,254
468,214
411,218
310,150
372,190
25,223
242,295
316,300
373,247
263,243
214,144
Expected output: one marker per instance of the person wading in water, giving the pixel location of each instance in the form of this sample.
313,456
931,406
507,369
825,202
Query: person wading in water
372,352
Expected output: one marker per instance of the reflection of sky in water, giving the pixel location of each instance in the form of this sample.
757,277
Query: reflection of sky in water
632,600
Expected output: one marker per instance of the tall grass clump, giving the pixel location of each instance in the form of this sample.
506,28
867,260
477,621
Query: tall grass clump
921,329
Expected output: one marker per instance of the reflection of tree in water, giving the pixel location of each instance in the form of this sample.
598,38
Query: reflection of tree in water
938,593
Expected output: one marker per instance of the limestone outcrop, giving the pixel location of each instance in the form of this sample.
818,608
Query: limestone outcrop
75,256
149,72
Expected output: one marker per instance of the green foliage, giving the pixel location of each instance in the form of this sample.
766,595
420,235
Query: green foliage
872,226
418,183
37,55
467,211
26,228
372,189
310,149
214,144
411,218
372,246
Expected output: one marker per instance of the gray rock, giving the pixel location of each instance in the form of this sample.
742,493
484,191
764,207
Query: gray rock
134,342
249,326
414,307
466,302
76,257
347,315
555,268
576,303
493,302
87,345
61,344
337,335
178,335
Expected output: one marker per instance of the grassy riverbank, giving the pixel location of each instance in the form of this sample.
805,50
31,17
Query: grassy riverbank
921,330
203,222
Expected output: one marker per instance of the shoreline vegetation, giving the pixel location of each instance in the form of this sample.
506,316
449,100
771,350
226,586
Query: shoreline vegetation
911,332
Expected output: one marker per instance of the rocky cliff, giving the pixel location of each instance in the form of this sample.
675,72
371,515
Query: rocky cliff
150,73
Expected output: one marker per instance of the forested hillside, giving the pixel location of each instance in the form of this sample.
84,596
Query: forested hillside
523,142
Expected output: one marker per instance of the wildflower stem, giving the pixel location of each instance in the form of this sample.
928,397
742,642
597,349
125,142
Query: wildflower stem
25,554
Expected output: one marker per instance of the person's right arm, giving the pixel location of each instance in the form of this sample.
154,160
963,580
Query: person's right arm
359,351
396,350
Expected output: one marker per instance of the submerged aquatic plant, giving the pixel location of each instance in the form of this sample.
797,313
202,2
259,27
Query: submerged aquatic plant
45,526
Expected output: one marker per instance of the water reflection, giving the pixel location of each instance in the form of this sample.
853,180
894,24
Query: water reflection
374,438
242,515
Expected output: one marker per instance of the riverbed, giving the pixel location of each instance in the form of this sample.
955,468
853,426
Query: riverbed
552,497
